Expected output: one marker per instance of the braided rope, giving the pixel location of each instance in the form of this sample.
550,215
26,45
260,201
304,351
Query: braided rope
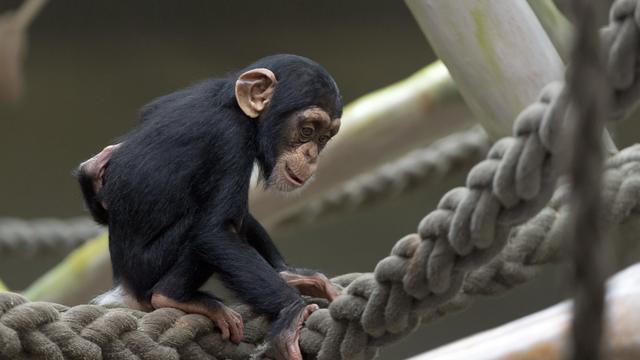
52,331
469,228
540,240
45,235
29,329
415,168
471,225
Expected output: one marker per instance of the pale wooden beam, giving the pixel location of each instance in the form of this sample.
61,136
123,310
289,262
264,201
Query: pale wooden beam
544,335
558,28
497,52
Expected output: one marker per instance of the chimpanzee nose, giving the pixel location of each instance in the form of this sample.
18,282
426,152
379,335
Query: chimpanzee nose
311,153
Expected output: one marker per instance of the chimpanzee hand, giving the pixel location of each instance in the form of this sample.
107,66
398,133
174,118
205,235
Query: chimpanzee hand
286,344
315,285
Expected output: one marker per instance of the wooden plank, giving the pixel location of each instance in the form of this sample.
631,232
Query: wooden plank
497,52
543,335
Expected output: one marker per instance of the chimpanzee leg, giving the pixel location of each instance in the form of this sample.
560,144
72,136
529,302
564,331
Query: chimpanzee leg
256,282
179,289
228,321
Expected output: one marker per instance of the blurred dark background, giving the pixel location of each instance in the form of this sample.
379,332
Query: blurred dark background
92,64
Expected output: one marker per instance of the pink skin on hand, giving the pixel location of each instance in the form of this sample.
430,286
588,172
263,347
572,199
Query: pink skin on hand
316,285
287,345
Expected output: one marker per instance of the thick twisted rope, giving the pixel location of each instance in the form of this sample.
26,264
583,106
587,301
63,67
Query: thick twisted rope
89,331
471,224
530,246
469,228
45,235
40,328
418,167
541,240
52,331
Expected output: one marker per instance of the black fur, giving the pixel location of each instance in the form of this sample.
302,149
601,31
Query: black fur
180,179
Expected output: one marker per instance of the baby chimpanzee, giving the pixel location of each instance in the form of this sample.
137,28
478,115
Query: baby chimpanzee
174,194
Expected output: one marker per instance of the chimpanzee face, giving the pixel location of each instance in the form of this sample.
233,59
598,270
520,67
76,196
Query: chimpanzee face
308,131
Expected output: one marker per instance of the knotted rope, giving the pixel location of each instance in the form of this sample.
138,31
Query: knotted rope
45,235
52,331
470,226
85,331
427,271
90,331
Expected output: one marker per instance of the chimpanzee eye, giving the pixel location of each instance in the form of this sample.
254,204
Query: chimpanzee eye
306,131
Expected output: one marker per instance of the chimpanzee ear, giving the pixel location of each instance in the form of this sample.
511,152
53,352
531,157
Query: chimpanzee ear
254,90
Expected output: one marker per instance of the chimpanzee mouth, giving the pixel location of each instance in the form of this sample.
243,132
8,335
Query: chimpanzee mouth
292,177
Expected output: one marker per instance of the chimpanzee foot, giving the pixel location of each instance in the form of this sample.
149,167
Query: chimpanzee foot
228,321
94,167
287,343
316,285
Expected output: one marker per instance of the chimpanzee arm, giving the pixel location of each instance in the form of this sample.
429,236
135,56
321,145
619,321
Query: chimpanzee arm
256,282
308,282
258,237
245,271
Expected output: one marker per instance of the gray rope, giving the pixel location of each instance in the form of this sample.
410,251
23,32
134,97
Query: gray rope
416,168
542,239
471,224
469,228
589,93
46,235
38,329
42,330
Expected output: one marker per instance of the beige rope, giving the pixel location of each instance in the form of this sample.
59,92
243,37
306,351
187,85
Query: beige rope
83,331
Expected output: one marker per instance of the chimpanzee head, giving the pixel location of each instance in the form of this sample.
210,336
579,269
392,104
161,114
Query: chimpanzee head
298,107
